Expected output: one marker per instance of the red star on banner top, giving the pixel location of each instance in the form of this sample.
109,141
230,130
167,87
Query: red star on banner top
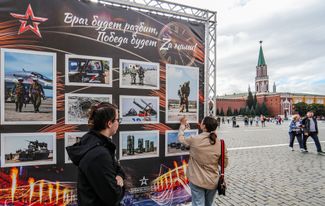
23,20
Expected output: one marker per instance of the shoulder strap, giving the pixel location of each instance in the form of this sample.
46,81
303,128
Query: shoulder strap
222,157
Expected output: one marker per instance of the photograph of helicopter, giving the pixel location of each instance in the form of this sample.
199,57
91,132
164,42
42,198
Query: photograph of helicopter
83,70
28,87
139,74
26,149
139,109
77,106
173,147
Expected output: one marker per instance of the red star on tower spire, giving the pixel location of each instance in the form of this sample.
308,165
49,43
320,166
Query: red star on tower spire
23,20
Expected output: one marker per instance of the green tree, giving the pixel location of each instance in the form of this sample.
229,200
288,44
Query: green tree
301,108
318,109
254,100
250,100
236,112
229,112
252,113
222,113
247,111
257,109
242,111
264,110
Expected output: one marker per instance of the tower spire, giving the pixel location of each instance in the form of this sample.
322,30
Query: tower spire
261,79
261,60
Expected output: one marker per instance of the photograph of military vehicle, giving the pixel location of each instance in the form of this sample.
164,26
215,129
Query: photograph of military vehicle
182,93
139,109
78,105
139,144
20,149
87,70
71,138
173,147
28,87
139,74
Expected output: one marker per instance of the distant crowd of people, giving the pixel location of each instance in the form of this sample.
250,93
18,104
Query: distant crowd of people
258,120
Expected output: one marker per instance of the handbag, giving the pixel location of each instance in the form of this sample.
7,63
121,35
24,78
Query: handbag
222,186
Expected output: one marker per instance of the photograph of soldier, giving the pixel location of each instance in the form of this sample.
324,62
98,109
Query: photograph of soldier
139,74
71,138
184,93
77,106
184,100
139,109
25,149
88,71
36,94
173,147
19,93
28,87
139,144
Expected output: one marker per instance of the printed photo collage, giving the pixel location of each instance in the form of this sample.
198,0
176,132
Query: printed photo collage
28,97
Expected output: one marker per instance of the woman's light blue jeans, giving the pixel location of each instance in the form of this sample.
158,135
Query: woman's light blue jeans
201,196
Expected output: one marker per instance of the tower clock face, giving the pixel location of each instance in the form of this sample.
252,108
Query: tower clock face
177,44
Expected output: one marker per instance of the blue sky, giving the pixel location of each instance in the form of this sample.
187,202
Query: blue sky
14,143
177,76
42,64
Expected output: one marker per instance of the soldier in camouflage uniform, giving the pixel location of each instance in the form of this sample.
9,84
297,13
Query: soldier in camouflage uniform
141,75
36,93
19,93
185,92
133,73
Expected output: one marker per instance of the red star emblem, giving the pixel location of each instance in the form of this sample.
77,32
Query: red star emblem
23,20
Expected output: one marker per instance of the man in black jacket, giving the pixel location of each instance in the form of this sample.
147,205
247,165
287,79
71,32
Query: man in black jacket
100,177
310,128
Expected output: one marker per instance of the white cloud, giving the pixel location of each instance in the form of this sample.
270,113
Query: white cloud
293,34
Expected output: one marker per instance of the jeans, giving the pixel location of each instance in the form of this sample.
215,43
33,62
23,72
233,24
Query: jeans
316,140
292,136
201,196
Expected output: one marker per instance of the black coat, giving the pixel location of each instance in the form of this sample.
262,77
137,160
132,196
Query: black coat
97,169
306,124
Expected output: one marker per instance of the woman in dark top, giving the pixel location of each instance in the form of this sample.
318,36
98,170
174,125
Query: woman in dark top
100,177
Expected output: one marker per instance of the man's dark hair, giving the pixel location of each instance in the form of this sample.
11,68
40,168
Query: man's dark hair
101,113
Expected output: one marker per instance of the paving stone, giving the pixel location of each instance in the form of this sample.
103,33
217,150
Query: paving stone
271,175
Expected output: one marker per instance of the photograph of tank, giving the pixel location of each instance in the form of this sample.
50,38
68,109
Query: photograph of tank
139,144
182,93
71,138
139,109
83,70
173,147
25,149
139,74
28,87
78,105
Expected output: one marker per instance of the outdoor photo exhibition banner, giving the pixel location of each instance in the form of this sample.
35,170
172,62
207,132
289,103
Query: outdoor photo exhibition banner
57,58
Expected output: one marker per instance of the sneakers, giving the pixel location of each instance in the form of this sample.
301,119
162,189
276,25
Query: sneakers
291,148
321,153
303,150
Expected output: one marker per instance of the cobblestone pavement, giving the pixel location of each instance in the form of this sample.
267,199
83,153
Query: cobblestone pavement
263,171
